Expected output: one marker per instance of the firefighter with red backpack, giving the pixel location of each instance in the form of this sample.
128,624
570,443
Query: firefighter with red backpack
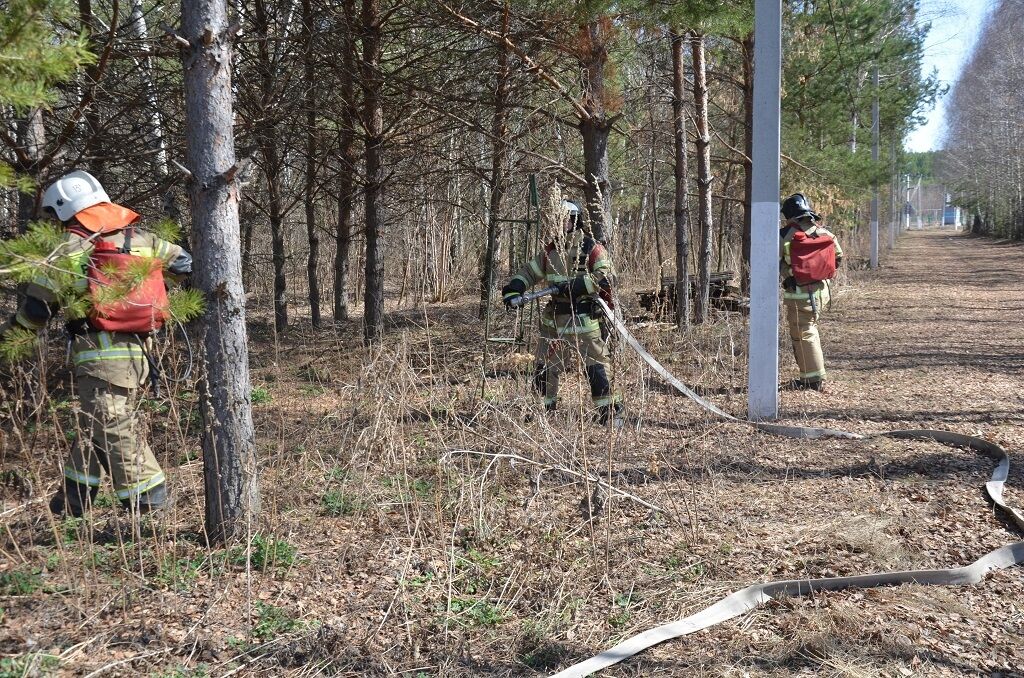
110,347
578,265
808,257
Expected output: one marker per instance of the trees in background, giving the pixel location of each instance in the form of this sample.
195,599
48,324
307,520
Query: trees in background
982,161
394,139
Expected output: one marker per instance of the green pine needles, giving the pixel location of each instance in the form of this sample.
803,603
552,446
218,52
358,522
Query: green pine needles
41,254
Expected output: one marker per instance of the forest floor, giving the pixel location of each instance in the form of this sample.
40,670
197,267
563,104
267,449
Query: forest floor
390,543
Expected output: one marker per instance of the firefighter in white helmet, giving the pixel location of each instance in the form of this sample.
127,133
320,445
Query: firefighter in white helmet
570,324
109,344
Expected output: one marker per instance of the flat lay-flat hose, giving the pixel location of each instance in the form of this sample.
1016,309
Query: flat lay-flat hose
747,599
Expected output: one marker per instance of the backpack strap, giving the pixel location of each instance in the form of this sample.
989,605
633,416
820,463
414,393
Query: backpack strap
126,248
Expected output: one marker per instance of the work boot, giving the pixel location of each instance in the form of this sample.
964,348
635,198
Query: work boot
612,414
156,502
807,385
72,499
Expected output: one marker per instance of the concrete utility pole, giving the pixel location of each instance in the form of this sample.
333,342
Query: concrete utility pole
763,350
906,205
874,164
920,225
894,188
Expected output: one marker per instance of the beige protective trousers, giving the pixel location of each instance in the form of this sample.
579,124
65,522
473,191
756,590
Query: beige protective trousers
803,330
111,437
565,338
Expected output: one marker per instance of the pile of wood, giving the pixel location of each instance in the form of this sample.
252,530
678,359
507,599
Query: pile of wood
724,292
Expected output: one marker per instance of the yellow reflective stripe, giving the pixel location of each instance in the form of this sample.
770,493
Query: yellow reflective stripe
785,251
510,295
536,268
138,488
550,401
81,478
125,353
144,252
552,278
585,328
816,373
606,400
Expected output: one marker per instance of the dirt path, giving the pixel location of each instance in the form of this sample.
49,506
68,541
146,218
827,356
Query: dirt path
935,336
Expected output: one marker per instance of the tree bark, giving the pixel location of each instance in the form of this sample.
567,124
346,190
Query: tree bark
700,103
349,158
31,139
309,71
155,136
372,82
681,208
596,127
268,140
499,157
229,446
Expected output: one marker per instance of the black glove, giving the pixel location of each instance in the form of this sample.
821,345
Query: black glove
789,284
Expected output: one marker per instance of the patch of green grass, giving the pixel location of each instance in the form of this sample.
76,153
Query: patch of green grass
29,664
105,500
475,612
260,395
313,390
337,503
273,621
20,582
266,552
71,529
178,573
188,455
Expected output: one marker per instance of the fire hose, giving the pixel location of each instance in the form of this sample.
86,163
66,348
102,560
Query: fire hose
752,596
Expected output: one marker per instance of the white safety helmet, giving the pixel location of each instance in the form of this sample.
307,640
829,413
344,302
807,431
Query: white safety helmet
570,208
72,193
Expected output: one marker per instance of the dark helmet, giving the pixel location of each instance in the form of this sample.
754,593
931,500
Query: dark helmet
796,206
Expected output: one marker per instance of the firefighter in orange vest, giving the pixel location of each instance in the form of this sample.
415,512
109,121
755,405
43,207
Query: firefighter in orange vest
804,302
110,366
570,324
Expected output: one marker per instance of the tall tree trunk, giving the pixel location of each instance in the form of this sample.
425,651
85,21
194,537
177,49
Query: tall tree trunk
596,127
748,150
229,445
700,103
373,123
309,71
349,159
155,135
31,140
94,155
499,156
270,149
681,210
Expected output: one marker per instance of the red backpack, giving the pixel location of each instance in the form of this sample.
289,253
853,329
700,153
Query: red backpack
812,257
144,307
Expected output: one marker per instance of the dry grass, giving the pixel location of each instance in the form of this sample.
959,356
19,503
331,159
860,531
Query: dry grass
381,553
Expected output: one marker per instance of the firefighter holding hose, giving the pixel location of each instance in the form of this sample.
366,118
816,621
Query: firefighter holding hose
808,257
580,269
119,271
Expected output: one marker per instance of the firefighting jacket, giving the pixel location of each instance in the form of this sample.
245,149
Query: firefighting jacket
115,357
793,291
578,262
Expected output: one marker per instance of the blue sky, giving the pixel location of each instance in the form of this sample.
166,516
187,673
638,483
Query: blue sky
955,27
